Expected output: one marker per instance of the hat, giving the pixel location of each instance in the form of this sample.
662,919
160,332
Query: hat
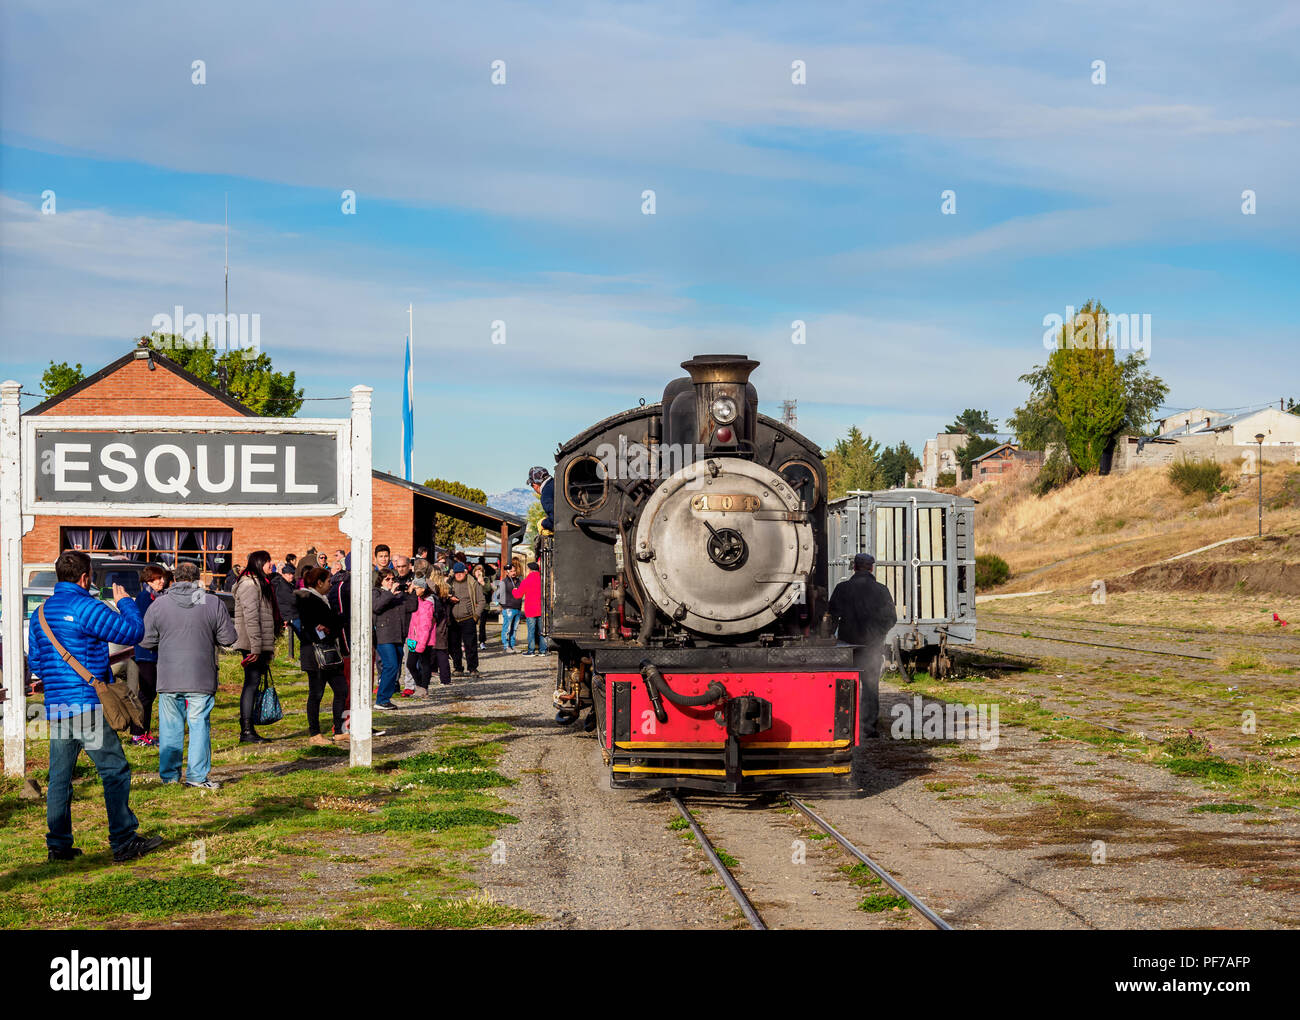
537,475
863,561
459,568
419,582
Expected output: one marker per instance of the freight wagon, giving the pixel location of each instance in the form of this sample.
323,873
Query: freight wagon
925,555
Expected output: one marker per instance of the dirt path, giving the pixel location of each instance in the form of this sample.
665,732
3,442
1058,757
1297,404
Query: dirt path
1025,835
582,855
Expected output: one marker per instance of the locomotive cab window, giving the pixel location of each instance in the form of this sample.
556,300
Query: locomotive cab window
584,488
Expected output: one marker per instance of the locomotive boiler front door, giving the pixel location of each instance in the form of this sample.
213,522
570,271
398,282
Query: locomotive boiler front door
723,548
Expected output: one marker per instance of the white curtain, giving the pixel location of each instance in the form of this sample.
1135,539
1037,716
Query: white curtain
132,540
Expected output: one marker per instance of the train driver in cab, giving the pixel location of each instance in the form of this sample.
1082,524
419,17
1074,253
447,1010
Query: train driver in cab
541,482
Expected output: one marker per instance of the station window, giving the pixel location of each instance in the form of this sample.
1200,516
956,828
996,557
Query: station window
210,547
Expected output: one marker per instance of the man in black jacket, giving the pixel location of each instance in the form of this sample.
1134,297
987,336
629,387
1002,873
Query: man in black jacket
283,585
864,613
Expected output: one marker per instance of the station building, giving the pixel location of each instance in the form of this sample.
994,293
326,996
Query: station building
146,382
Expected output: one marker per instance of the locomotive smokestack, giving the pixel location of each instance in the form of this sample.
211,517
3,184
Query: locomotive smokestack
723,414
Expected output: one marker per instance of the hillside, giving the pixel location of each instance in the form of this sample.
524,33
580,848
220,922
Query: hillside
1121,528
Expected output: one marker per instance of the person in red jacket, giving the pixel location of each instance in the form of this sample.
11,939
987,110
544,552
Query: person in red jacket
530,590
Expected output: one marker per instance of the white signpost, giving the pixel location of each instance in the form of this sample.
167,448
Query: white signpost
90,466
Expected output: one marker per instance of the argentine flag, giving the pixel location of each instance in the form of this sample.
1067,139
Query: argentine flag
408,413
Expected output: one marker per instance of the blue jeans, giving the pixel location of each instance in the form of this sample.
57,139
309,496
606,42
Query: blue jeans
68,737
536,639
390,665
509,621
173,710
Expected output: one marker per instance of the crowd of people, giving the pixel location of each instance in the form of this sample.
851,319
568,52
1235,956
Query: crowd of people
429,618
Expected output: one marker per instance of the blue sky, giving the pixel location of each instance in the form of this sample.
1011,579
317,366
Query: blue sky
774,201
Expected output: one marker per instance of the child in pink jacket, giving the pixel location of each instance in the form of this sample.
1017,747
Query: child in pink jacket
421,636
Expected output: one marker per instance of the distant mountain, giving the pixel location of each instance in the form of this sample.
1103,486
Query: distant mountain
513,501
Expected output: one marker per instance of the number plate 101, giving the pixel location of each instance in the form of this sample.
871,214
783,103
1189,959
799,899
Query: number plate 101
723,501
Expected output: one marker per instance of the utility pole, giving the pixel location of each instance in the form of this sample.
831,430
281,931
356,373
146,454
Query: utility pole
1259,442
789,413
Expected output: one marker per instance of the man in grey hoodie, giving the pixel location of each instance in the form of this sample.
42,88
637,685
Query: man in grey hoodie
185,624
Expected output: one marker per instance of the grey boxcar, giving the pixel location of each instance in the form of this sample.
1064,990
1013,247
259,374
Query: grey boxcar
924,547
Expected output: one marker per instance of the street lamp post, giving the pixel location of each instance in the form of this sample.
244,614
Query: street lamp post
1259,442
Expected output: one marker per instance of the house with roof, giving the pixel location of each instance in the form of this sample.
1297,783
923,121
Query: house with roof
1228,439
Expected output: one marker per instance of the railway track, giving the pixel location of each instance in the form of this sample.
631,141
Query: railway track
1285,644
1098,644
747,907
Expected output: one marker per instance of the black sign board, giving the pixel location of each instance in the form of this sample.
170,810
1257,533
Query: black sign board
185,468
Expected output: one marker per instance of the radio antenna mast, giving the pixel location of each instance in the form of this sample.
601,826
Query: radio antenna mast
227,319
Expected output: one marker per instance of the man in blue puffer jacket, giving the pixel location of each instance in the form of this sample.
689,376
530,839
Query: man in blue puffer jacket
84,626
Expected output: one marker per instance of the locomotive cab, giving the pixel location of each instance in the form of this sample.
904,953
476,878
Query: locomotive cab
685,581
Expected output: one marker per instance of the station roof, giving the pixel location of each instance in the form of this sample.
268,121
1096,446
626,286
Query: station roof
461,509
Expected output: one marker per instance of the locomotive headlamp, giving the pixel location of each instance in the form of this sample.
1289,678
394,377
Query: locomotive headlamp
723,410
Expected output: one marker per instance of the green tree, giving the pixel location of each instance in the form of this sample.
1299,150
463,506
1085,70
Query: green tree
975,447
534,518
60,377
896,463
252,381
449,531
973,423
1083,398
1291,405
854,463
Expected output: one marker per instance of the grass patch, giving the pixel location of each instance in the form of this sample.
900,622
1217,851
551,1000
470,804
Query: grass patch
860,874
726,858
678,824
185,894
1206,477
879,902
413,818
1227,808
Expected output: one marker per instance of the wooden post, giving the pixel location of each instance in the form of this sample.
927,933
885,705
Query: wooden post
359,521
504,558
11,577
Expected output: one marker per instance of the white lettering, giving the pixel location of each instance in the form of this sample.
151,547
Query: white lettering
62,466
248,468
108,456
227,475
291,483
175,484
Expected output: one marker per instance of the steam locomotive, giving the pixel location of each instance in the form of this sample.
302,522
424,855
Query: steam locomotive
684,584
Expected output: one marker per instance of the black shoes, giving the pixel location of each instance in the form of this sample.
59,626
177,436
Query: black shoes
137,847
252,737
69,854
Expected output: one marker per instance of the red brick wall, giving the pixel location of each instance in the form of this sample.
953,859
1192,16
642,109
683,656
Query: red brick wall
133,389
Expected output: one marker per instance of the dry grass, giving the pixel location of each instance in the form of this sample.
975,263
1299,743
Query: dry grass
1105,527
1221,612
